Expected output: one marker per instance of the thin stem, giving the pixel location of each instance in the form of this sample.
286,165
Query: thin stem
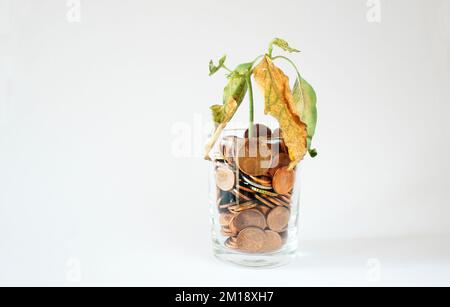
226,68
296,69
252,114
254,61
287,59
271,48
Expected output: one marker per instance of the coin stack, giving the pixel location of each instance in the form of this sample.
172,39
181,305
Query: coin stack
254,190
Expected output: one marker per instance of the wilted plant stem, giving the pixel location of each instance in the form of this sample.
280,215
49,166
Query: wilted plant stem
288,60
252,113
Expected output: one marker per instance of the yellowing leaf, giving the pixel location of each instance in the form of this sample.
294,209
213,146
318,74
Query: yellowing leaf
233,95
279,103
227,112
282,44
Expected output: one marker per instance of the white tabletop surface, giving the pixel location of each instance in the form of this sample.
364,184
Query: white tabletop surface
420,261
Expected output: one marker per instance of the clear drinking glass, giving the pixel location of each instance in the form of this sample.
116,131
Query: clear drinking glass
254,198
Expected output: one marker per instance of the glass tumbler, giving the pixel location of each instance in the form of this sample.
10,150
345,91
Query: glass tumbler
254,198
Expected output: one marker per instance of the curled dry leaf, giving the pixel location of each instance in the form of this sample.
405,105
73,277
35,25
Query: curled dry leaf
279,103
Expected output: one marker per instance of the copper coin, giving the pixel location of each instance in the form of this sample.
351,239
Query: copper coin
251,240
244,188
248,218
280,160
256,185
282,202
230,147
283,147
276,201
283,181
240,196
225,219
225,179
284,236
273,241
227,146
265,201
219,200
242,207
263,209
226,206
278,219
229,230
278,141
262,180
231,244
277,133
285,198
259,131
254,157
226,232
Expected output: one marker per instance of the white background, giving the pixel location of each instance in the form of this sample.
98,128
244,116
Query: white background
92,188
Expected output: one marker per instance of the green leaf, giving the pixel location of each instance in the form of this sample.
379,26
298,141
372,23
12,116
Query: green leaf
217,113
235,90
213,68
233,95
305,100
279,42
237,87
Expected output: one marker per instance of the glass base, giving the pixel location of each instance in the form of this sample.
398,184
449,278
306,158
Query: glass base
263,261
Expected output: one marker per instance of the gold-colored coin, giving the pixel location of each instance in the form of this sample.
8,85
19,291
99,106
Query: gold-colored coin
278,219
251,240
248,218
225,179
283,181
254,157
273,241
263,192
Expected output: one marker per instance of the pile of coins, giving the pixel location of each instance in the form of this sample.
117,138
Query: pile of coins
254,190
